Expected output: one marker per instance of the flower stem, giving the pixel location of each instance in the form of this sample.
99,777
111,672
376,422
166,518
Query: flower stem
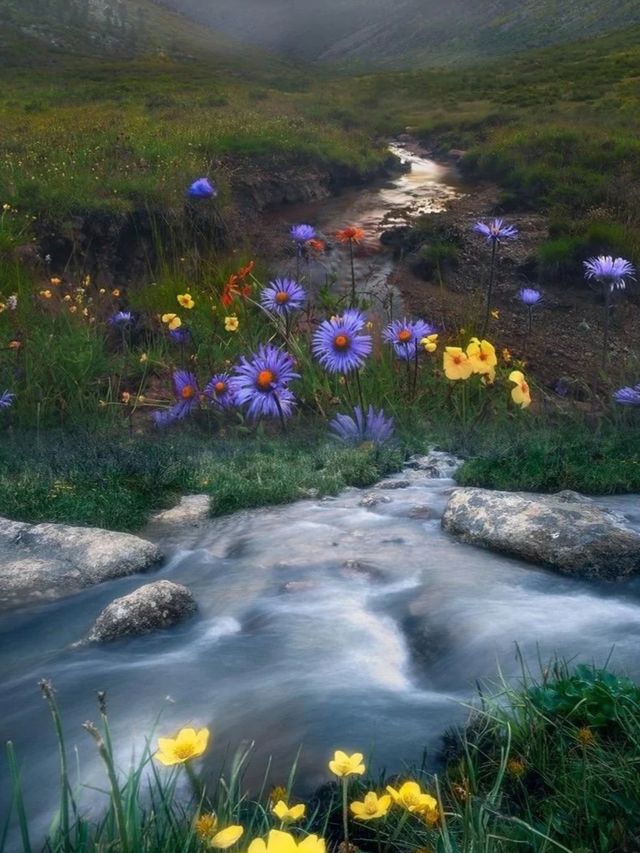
353,275
345,812
487,316
359,386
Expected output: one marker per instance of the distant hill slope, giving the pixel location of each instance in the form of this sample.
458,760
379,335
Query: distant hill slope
409,32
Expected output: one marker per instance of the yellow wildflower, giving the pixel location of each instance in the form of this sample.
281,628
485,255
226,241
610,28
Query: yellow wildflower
55,281
483,358
430,343
126,398
495,314
172,321
187,744
412,798
521,394
346,765
456,364
185,300
284,812
372,806
585,736
46,294
506,356
102,291
227,837
206,826
115,292
73,309
231,324
283,842
67,298
144,358
277,794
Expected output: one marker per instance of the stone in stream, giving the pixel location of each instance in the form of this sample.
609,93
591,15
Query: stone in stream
567,531
146,609
369,501
192,510
42,562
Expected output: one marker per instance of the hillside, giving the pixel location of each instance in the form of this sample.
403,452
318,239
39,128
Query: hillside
408,32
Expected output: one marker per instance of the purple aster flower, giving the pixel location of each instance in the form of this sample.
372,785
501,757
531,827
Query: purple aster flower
302,233
187,394
202,188
496,230
220,391
373,426
628,396
339,345
405,335
181,335
122,318
529,296
611,272
283,296
6,399
261,382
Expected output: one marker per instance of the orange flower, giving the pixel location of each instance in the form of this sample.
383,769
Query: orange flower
236,286
317,245
350,235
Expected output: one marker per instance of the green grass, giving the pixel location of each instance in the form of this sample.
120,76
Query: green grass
544,765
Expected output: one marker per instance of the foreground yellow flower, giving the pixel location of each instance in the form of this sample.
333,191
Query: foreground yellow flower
372,806
346,765
227,837
187,744
521,394
456,364
430,343
231,324
411,797
185,300
283,842
172,321
483,358
284,812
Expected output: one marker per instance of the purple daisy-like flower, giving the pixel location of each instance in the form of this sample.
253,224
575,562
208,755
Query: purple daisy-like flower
187,394
180,336
122,318
374,427
628,396
220,391
611,272
339,345
302,233
405,335
202,188
283,296
261,383
529,296
496,230
6,399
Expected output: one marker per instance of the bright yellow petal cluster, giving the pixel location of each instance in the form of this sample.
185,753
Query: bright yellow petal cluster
283,842
284,812
483,358
187,744
411,797
430,343
372,806
185,300
346,765
231,324
521,394
456,363
172,321
227,837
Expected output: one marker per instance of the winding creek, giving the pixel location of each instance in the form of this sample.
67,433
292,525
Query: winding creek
327,624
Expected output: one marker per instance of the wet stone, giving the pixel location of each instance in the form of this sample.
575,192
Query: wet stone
393,485
369,501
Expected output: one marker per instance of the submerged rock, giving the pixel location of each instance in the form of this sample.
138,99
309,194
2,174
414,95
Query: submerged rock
435,465
369,501
42,562
566,531
152,606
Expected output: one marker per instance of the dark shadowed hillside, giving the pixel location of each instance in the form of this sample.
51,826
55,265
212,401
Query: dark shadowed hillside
378,32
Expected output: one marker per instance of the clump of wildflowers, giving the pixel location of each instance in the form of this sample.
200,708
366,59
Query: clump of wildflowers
372,427
406,336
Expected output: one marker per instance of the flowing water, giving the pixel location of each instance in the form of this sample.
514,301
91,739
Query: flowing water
325,624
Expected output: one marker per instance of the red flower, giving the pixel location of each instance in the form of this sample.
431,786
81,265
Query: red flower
350,235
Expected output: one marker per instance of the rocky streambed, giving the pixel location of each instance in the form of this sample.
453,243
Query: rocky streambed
355,621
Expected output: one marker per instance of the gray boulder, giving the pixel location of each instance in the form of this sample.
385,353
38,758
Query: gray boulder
191,511
566,531
42,562
153,606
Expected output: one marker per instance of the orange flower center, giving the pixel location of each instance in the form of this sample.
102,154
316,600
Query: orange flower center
457,359
282,297
188,392
265,380
341,341
524,388
405,336
220,387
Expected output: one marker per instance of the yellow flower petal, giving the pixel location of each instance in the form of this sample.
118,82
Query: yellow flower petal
227,837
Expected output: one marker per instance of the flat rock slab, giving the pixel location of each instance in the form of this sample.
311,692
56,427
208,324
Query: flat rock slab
566,531
191,511
42,562
149,608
